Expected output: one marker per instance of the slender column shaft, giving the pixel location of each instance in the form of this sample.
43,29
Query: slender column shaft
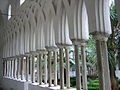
17,68
3,68
49,69
55,68
22,64
103,65
77,65
40,69
10,68
14,68
84,68
27,68
45,68
33,72
7,68
61,69
67,68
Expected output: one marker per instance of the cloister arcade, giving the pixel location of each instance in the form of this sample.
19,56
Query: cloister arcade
43,31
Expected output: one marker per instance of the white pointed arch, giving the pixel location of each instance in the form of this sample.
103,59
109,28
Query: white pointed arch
71,10
83,27
49,30
98,14
60,25
40,40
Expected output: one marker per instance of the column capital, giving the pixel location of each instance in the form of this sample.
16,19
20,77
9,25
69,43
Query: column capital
78,42
52,48
101,36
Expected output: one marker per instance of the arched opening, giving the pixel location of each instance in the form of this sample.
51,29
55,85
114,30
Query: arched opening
21,2
9,12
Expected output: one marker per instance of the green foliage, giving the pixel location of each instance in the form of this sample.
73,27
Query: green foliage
113,40
91,52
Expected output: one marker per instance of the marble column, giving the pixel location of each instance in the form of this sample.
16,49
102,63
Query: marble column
19,70
14,68
84,67
27,68
7,68
39,59
22,71
61,69
32,69
103,65
67,67
45,68
49,69
55,68
77,66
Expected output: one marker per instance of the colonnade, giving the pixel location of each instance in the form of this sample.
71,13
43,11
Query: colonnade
23,68
44,26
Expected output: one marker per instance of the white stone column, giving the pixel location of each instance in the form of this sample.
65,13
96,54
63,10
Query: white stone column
22,71
39,62
33,69
84,67
61,69
55,68
67,67
77,66
14,68
9,68
27,68
6,68
45,68
103,65
3,69
49,69
17,68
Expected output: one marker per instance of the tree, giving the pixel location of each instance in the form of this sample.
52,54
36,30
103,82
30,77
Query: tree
113,46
